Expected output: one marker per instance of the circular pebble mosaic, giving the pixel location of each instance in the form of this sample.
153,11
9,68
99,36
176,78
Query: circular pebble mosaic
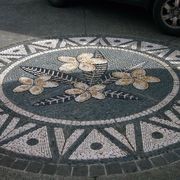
107,105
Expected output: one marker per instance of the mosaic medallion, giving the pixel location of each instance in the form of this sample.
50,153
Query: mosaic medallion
89,100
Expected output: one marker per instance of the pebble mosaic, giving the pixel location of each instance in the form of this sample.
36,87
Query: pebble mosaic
107,105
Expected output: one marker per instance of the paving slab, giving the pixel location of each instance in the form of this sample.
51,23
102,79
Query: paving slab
22,20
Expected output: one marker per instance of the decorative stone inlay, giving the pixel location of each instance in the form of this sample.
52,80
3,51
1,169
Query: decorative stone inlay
89,100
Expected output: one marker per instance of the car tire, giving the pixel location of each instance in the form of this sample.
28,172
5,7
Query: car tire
159,12
57,3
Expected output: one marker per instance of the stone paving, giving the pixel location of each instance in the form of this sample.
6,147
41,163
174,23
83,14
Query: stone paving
86,105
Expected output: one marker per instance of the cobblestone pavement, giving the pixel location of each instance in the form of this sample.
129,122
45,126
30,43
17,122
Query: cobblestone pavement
87,92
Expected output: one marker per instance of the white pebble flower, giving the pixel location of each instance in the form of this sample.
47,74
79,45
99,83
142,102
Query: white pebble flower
137,78
84,61
86,92
36,86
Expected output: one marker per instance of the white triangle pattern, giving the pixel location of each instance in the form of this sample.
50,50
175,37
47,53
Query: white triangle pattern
108,150
173,117
146,46
130,133
40,150
72,139
118,41
174,56
8,58
118,136
177,108
50,43
98,41
11,129
34,48
60,139
164,121
3,119
18,50
65,42
82,40
131,45
160,53
150,143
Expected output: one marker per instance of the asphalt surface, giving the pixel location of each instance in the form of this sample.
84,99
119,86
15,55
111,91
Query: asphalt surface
23,20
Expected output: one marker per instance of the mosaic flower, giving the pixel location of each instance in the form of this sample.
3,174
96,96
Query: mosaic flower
138,78
36,86
85,92
84,61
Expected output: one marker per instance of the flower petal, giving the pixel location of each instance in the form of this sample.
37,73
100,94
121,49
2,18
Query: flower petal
83,97
67,67
138,72
98,95
80,85
44,77
97,87
87,67
123,75
39,82
74,91
84,57
152,79
21,88
97,61
36,90
26,80
67,59
140,84
50,84
124,82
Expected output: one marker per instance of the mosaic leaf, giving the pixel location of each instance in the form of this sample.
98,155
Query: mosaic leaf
54,100
55,75
120,95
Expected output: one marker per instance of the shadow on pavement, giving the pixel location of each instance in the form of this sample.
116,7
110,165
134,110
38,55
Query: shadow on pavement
21,20
38,18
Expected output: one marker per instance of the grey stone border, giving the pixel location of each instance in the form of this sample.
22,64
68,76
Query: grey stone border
167,172
91,170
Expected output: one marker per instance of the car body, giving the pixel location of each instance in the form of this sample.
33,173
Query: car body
166,13
144,3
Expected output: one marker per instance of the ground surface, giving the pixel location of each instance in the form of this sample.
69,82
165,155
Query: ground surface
111,114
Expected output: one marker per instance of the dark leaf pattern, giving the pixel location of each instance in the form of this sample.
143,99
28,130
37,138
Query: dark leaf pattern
120,95
55,75
54,100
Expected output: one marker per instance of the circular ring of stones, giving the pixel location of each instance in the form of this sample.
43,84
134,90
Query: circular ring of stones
126,115
150,110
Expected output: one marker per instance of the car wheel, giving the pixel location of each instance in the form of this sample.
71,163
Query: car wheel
57,3
167,15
